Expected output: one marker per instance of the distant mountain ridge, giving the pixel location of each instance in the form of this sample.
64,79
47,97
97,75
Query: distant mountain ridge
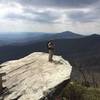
77,47
68,35
62,35
25,37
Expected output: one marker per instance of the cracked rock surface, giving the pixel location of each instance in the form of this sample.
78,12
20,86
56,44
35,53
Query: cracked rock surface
29,77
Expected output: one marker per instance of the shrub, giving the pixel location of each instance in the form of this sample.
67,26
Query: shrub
76,91
73,92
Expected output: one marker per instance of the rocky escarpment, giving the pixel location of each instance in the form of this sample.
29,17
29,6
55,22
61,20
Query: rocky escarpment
28,78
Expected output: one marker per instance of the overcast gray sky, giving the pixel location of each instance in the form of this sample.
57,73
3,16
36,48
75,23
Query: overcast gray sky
81,16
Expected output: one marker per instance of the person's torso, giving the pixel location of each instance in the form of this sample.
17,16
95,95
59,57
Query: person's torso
50,46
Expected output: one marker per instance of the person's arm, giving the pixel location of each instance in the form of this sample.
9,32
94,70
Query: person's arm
49,45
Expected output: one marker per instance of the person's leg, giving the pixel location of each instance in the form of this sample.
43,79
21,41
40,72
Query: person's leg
50,55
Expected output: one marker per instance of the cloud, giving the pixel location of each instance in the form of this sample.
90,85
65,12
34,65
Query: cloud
34,16
81,16
46,17
92,14
58,3
21,9
61,14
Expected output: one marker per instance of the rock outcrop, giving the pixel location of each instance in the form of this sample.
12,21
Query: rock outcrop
29,77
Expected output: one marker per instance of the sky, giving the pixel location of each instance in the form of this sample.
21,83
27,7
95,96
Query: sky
80,16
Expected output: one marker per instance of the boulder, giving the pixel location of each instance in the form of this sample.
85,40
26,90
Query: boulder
28,78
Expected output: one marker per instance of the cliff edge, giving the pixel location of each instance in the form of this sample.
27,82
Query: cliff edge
29,77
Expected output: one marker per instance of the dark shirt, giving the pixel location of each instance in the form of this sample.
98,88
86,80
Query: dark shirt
50,46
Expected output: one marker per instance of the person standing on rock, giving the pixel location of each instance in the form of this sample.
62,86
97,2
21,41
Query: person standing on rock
51,50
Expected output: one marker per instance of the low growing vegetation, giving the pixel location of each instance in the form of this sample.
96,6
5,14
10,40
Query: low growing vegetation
76,91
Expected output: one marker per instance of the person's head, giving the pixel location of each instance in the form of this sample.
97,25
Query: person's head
50,41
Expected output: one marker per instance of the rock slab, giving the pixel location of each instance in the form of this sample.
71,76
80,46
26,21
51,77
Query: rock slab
29,77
